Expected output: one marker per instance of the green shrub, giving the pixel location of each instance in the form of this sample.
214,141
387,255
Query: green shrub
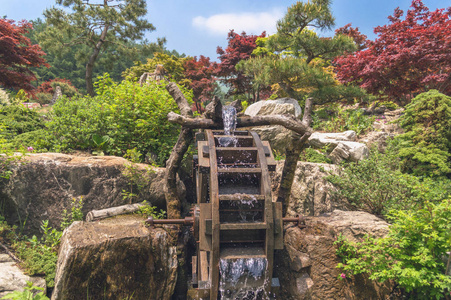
342,120
39,140
30,292
411,254
314,156
18,119
425,147
123,116
43,98
377,185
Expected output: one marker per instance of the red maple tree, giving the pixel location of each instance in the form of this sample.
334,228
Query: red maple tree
201,74
239,48
17,55
408,57
359,38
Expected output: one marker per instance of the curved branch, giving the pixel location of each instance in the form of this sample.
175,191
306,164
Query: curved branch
287,121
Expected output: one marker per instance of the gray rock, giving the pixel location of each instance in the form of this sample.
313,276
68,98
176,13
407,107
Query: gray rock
340,145
274,107
58,94
315,245
13,279
115,259
277,135
45,185
310,193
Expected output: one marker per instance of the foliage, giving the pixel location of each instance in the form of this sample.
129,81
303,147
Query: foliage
30,292
96,27
76,213
411,253
17,55
239,48
124,116
203,83
4,97
408,57
345,119
173,67
151,211
18,119
425,147
39,140
359,39
66,86
297,60
377,185
314,156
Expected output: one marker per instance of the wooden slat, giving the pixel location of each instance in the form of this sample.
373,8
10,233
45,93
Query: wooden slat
265,183
278,226
203,266
205,240
243,226
214,200
194,265
239,197
240,170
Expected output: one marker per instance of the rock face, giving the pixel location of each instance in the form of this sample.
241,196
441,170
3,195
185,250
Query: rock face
277,135
307,266
343,146
13,279
310,193
46,183
116,258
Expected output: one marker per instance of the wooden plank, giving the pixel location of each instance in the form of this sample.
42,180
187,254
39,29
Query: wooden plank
214,200
203,266
265,185
205,241
243,226
240,197
204,162
240,170
194,269
270,160
278,226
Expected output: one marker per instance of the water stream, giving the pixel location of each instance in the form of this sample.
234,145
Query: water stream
242,278
229,120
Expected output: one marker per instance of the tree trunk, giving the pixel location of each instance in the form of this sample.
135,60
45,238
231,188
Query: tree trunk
92,61
100,214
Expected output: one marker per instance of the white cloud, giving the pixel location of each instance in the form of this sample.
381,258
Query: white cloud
251,23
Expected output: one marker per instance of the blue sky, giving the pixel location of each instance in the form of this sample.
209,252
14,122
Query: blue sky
197,27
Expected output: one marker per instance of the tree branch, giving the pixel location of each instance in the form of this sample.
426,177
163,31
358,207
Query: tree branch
180,99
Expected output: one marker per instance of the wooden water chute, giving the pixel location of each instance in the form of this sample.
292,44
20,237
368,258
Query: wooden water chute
233,180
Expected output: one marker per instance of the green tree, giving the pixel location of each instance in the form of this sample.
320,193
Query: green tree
96,29
297,58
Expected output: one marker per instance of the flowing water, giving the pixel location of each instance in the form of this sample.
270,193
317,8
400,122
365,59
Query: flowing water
242,278
229,120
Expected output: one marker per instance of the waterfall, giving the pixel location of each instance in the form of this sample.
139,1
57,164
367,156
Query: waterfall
229,119
242,278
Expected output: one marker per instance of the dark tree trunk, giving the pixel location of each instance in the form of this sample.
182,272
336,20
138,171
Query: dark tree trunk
92,60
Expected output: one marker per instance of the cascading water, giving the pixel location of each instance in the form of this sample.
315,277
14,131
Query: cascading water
242,278
229,120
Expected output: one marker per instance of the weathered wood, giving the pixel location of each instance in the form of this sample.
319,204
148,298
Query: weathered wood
296,145
265,183
204,238
213,111
278,226
173,203
95,215
287,121
243,226
307,117
203,261
180,99
214,199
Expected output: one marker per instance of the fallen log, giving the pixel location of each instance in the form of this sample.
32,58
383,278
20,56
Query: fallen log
95,215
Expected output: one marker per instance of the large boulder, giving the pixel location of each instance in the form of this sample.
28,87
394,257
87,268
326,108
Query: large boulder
46,184
307,267
310,192
13,279
118,258
277,135
342,146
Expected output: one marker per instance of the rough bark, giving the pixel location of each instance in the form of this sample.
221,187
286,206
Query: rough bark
286,121
92,60
95,215
181,101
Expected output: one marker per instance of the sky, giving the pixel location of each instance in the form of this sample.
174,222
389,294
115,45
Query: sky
198,27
